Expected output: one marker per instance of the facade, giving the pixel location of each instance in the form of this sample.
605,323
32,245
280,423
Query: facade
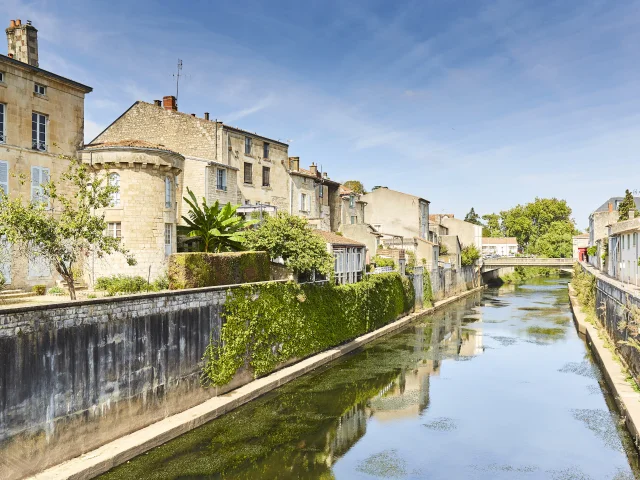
468,233
501,246
599,221
403,221
580,245
452,259
624,250
351,208
144,212
222,163
349,257
41,118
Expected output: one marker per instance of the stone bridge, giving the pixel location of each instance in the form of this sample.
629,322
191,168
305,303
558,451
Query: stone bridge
490,264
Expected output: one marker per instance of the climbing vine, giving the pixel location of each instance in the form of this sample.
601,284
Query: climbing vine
266,325
427,294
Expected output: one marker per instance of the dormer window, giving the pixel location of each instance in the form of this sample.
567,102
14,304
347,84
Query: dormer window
39,89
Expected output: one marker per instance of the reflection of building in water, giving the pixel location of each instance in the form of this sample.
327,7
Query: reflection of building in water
470,343
406,396
351,427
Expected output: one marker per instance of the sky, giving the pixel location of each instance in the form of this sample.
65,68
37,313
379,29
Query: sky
483,104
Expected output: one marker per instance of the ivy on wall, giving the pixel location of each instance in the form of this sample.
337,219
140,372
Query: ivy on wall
427,294
266,325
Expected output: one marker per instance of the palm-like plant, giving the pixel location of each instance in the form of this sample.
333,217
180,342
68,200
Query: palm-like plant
218,229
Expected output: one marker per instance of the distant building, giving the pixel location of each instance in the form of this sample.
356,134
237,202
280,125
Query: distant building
502,246
580,246
348,254
41,118
624,250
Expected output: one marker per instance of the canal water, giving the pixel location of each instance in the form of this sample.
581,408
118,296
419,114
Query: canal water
497,386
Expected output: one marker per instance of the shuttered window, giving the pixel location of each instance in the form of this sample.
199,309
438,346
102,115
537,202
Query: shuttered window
266,173
3,120
39,177
168,198
4,176
248,173
168,237
114,181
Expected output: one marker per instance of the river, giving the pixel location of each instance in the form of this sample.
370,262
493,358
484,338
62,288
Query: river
496,386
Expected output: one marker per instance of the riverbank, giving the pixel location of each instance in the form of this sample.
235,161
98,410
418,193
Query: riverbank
615,374
127,447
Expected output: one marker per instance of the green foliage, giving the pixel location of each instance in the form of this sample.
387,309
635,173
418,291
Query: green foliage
128,284
268,324
605,248
56,290
472,217
585,286
3,282
427,294
628,203
493,228
522,274
356,186
411,262
383,262
39,289
556,242
218,229
197,270
591,251
469,255
63,226
443,249
292,239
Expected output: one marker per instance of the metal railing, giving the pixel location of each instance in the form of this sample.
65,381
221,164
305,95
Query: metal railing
527,261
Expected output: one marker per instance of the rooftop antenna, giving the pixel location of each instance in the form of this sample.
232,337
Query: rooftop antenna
177,77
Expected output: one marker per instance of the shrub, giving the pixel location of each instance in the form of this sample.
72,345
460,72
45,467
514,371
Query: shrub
124,284
592,251
469,255
196,270
161,283
56,290
267,324
383,262
39,289
427,294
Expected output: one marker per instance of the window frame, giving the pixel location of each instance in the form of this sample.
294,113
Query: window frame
352,201
266,170
114,229
36,144
265,150
168,194
244,179
247,145
1,77
115,196
5,185
221,180
168,233
40,171
3,123
354,219
303,202
39,89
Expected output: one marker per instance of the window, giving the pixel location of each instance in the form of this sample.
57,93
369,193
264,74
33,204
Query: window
352,201
39,89
247,145
168,236
303,202
114,181
221,183
1,77
114,229
38,266
248,173
354,219
321,192
3,109
38,131
4,177
168,197
265,152
266,172
39,176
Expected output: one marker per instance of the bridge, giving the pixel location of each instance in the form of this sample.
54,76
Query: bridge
504,262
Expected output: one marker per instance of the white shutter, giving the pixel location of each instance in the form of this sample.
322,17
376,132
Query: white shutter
301,202
5,259
44,178
35,184
4,177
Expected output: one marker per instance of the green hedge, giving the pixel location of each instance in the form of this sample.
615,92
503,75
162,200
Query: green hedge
195,270
268,324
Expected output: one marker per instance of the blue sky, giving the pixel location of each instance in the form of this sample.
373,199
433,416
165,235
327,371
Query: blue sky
476,103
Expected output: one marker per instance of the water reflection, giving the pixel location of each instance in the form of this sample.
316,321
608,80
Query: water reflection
475,380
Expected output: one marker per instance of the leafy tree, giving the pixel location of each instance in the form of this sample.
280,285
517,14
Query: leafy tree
472,217
218,229
469,255
292,239
627,204
556,242
356,186
443,249
62,226
493,225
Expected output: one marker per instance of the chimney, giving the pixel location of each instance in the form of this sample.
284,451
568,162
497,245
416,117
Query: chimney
169,103
193,114
206,115
22,42
294,163
314,169
610,207
157,103
324,175
632,213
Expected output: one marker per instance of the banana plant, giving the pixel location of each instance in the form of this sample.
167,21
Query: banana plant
218,229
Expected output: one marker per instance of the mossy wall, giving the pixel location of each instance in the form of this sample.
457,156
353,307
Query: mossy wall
197,269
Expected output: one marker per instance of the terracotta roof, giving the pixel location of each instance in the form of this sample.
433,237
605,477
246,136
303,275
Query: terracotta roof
127,143
499,240
336,239
345,190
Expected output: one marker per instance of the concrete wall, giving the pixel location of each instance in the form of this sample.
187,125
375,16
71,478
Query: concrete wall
448,282
469,233
397,213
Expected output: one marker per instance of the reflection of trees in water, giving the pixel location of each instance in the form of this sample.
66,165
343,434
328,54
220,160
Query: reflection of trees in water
302,428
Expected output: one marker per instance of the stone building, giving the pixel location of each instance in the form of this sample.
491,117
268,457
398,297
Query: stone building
144,212
41,118
624,250
500,246
349,257
220,162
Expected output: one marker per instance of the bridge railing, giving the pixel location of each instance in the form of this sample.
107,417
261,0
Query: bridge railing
528,261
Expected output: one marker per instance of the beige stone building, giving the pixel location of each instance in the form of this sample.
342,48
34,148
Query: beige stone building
221,162
41,118
348,254
144,212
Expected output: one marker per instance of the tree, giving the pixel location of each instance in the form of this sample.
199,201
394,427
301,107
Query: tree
217,229
291,238
556,242
356,186
493,225
472,217
469,255
628,203
61,225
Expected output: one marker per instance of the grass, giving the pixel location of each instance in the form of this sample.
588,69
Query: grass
550,331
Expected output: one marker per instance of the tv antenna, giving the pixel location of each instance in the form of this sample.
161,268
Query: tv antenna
177,77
